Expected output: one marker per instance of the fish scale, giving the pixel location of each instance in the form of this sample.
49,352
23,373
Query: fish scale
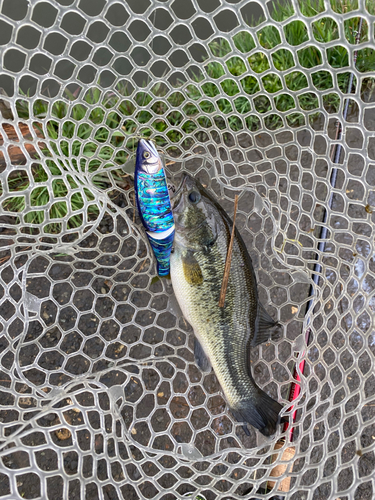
221,342
202,236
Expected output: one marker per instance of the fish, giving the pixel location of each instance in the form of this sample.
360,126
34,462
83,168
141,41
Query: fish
223,335
153,202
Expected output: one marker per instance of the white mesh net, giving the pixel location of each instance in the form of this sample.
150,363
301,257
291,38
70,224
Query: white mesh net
100,396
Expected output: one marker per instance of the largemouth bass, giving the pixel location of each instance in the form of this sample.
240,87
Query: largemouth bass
154,206
223,336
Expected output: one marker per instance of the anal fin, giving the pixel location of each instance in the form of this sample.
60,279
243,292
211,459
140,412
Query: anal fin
262,325
200,357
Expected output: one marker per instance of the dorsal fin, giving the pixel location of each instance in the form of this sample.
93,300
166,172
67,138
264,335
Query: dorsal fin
263,323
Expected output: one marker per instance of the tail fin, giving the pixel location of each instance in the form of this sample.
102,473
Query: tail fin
261,411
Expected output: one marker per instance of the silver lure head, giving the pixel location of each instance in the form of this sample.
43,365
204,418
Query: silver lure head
147,157
196,216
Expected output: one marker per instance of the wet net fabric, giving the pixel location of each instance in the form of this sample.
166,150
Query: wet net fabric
100,395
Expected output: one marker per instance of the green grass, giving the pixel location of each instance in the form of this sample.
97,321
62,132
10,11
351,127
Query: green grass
19,181
89,137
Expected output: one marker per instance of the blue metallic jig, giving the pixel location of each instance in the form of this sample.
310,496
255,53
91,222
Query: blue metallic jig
153,203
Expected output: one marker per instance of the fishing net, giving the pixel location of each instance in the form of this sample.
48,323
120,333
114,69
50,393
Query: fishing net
100,395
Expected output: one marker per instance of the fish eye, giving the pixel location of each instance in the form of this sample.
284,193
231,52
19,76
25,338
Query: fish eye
194,197
146,155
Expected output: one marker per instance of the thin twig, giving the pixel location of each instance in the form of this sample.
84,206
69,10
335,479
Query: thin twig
142,265
224,284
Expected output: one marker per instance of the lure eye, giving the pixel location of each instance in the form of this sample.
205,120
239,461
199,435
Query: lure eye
194,197
146,155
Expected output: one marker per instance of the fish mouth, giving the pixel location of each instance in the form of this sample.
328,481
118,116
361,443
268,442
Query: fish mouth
182,188
179,204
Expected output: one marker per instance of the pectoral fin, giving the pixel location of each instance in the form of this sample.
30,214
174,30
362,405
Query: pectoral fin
262,325
192,271
200,357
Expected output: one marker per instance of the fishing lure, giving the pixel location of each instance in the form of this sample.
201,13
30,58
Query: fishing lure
154,206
